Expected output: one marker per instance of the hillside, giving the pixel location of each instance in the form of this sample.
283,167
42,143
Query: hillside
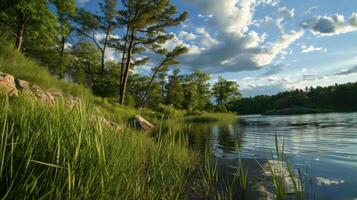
53,150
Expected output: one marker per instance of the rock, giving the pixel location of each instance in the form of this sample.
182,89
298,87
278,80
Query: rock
105,122
56,94
72,101
142,123
36,90
8,85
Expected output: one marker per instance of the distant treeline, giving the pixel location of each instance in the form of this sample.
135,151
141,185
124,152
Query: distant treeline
334,98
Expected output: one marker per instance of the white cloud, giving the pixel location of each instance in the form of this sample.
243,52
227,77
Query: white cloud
232,16
308,49
234,46
282,14
186,36
265,22
271,51
331,25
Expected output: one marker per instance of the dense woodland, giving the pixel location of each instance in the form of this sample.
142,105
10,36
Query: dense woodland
74,43
332,98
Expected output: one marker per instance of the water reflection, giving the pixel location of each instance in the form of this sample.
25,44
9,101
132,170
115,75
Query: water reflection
325,144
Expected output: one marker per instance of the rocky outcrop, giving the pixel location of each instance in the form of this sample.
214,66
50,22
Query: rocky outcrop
142,123
7,84
12,87
35,90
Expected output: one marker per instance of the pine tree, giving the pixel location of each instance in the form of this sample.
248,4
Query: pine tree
170,58
91,26
66,9
144,23
175,94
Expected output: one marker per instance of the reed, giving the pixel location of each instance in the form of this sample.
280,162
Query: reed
52,152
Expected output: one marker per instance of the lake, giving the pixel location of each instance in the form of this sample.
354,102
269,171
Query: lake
323,146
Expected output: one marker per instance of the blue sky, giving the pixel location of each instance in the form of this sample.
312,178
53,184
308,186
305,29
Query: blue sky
268,46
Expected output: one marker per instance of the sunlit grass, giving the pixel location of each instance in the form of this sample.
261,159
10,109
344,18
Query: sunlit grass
58,153
211,117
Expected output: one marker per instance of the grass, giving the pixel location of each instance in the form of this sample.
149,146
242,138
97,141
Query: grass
207,117
57,153
283,170
21,67
241,173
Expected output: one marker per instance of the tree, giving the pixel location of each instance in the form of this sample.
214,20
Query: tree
225,92
85,64
144,22
32,17
199,80
137,87
170,58
90,25
66,10
175,94
6,4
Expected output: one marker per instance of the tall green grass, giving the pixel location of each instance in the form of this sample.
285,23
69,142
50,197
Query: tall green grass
58,153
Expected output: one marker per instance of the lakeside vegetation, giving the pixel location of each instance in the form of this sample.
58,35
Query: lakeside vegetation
61,152
54,152
339,97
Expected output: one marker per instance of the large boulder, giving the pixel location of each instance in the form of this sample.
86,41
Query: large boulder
8,85
35,90
142,123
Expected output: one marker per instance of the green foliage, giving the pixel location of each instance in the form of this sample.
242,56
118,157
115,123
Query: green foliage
175,93
320,99
225,93
32,24
196,90
170,112
58,153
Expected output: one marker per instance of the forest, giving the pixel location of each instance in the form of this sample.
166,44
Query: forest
74,45
339,97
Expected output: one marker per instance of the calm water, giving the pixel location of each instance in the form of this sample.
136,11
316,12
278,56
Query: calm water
322,145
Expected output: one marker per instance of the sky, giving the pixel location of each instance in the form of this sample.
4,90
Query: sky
267,46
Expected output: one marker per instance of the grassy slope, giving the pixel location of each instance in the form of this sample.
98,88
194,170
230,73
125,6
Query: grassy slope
58,153
14,63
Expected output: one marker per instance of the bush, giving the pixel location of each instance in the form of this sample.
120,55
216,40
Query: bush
169,111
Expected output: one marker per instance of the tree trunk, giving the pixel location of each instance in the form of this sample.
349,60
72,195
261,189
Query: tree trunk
20,30
123,61
127,68
143,100
103,51
63,42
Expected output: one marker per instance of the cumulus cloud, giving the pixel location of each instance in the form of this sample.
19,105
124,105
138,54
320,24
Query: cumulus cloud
331,25
308,49
235,47
186,36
